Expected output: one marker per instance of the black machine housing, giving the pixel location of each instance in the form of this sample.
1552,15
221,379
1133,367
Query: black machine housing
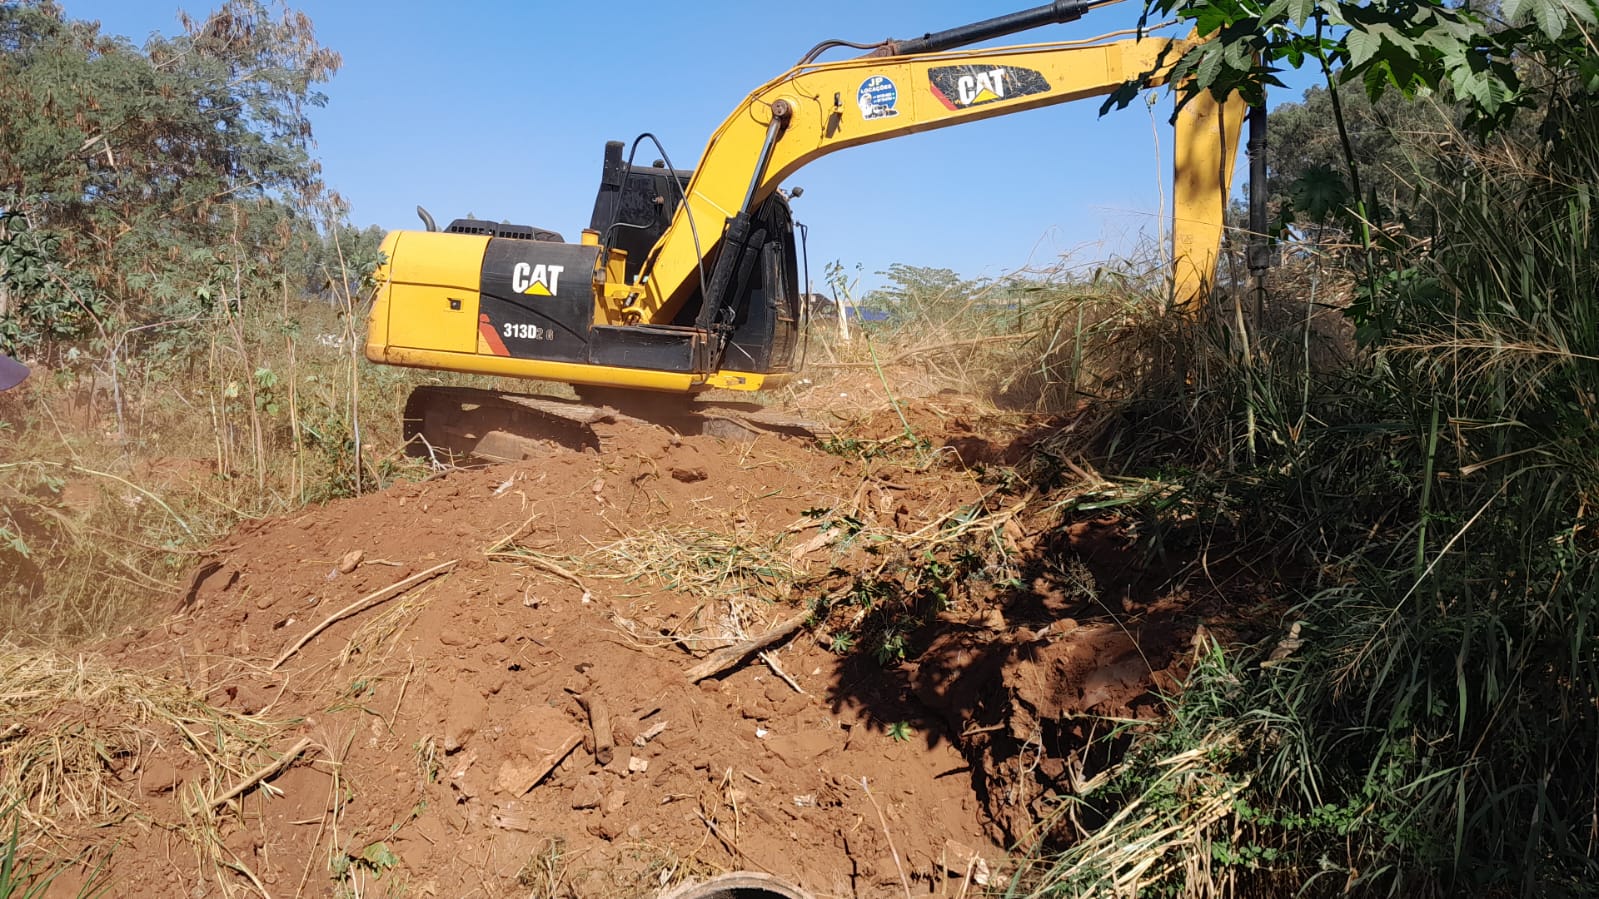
754,326
760,314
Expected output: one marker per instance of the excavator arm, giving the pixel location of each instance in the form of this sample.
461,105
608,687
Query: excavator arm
819,108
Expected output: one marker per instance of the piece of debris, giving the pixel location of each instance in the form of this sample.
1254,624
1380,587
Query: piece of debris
544,737
507,817
371,599
458,779
586,793
825,538
600,724
351,561
962,861
771,662
636,765
1287,646
729,657
644,738
468,707
261,776
613,802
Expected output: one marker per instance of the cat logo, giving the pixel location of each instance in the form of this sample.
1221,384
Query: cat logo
959,87
983,87
536,280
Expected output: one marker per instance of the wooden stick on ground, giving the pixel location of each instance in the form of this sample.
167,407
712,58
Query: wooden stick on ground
730,656
600,722
541,564
365,602
904,881
771,662
283,761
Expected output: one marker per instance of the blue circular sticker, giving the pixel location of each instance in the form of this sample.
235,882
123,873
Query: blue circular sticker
877,98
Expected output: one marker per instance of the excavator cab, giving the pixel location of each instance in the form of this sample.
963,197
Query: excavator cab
634,208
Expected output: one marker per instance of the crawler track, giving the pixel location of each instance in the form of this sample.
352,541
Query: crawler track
456,424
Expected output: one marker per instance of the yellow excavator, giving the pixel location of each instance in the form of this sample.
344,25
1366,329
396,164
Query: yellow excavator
688,280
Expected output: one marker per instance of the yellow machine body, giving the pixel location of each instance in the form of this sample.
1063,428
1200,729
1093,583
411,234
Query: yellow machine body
425,314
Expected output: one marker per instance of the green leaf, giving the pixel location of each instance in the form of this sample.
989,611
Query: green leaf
1209,65
1586,10
1120,97
1210,19
1237,56
1395,37
1551,17
1299,11
380,856
1362,46
1320,192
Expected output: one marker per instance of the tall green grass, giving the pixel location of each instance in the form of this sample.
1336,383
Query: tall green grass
1430,725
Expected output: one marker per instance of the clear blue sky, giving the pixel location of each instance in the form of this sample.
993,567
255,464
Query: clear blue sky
502,109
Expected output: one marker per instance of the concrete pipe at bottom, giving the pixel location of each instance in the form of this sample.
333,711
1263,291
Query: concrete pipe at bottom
737,885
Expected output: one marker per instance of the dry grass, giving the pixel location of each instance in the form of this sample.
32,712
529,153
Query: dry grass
698,562
111,488
82,738
1147,843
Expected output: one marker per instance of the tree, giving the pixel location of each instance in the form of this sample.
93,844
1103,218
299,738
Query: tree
159,166
1492,61
1412,46
1393,141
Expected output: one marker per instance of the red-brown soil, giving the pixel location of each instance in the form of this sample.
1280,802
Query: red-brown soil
428,713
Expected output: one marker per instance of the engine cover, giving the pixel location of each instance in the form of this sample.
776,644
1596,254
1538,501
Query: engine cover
536,299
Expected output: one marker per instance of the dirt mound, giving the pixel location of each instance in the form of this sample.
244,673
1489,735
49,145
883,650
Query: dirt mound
478,684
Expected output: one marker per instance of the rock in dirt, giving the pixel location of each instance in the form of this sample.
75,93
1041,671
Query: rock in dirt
644,738
608,828
462,779
351,560
613,802
586,793
546,736
801,748
511,818
600,725
468,708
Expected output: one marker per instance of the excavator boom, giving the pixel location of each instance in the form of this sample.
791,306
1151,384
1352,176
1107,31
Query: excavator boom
821,108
